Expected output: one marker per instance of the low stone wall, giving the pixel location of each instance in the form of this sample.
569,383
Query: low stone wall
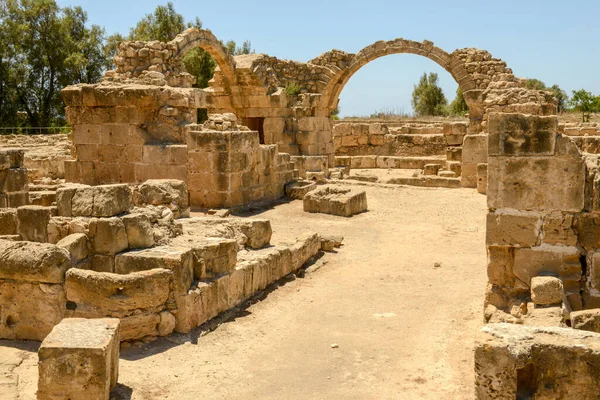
354,139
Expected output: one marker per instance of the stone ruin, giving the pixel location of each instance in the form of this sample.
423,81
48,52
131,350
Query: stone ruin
115,242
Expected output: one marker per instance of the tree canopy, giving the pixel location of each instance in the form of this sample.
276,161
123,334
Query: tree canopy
458,105
586,103
561,96
428,97
44,48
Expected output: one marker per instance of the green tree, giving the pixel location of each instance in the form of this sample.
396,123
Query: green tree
561,97
535,84
458,105
585,103
428,97
44,48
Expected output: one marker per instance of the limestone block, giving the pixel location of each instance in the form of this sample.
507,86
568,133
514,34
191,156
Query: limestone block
29,310
79,360
77,245
586,320
305,247
139,326
64,197
363,162
196,306
330,243
588,227
140,234
514,361
33,223
475,149
257,231
177,259
455,166
167,322
545,316
214,256
518,134
33,262
162,191
505,228
14,180
98,294
546,290
236,287
454,153
559,261
108,235
336,201
594,270
500,265
482,178
11,158
102,263
431,169
454,133
297,189
8,221
42,198
100,201
559,229
536,183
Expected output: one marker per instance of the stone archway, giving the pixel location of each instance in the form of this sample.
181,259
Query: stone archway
450,62
194,38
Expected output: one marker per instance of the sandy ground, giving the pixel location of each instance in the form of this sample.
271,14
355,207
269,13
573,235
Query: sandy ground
377,320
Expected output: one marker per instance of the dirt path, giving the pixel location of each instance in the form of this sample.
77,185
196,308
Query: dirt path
403,327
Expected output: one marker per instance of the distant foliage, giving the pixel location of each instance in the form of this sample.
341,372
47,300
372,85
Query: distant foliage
390,113
235,50
458,107
428,97
586,103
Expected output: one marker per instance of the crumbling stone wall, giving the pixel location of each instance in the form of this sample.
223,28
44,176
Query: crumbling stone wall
540,196
227,167
121,252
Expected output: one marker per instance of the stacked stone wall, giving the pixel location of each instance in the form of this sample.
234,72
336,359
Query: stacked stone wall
231,168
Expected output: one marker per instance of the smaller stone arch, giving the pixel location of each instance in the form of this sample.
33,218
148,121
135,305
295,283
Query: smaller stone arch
193,38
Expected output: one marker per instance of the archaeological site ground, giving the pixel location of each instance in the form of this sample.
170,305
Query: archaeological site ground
272,252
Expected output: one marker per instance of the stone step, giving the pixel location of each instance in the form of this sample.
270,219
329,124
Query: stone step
395,162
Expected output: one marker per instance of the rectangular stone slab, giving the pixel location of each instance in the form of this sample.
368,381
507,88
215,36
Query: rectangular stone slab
79,359
177,259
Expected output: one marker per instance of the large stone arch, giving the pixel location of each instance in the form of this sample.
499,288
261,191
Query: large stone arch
450,62
193,38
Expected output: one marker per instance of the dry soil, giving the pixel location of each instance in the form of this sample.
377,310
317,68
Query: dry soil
392,315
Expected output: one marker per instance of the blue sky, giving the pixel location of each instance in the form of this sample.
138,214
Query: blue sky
555,41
